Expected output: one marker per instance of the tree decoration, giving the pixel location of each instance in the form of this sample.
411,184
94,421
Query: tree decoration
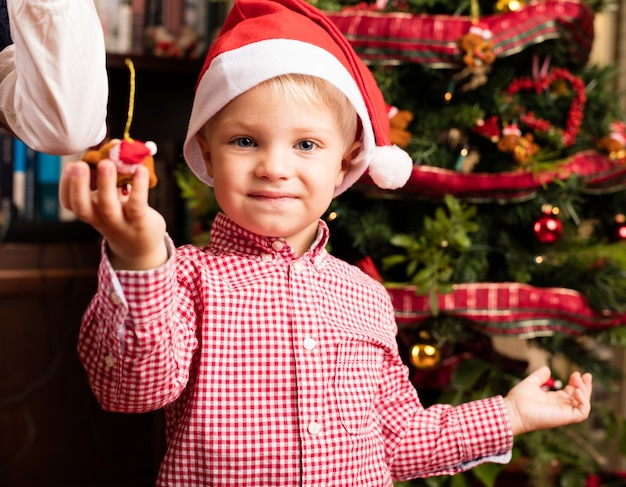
367,265
477,53
503,6
489,128
552,384
399,120
127,154
614,144
431,40
425,353
620,227
548,228
539,86
522,147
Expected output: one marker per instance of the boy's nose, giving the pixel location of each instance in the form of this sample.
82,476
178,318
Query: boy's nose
273,164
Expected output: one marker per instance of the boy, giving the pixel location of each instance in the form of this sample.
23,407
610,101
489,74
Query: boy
277,363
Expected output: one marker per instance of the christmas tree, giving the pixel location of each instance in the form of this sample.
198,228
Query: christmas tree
512,227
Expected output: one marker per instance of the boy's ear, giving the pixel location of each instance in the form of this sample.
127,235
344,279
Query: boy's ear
206,154
349,155
346,161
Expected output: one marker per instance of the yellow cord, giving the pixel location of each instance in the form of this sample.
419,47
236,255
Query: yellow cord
131,100
475,11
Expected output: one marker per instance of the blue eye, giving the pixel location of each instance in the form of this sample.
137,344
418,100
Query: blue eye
243,142
307,145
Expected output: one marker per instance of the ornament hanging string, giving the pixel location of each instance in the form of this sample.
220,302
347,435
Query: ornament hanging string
474,11
131,100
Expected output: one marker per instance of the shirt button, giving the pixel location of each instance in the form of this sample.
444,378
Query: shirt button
266,257
298,266
116,298
308,344
314,428
278,245
109,361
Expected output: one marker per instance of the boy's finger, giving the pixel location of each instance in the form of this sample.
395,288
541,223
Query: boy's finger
74,190
108,192
138,196
140,184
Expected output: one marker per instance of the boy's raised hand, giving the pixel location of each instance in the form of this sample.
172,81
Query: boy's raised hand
531,407
135,232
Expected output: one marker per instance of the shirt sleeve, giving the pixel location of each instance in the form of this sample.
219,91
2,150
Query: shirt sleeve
53,80
441,439
137,337
446,440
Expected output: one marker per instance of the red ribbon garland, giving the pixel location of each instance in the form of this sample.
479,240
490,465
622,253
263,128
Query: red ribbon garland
600,174
508,308
432,39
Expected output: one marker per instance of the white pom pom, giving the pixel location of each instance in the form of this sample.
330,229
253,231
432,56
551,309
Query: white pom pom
152,147
391,167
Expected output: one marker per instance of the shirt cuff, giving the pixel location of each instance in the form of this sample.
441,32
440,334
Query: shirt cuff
138,291
486,427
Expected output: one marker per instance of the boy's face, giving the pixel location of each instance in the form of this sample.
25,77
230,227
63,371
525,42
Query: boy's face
276,163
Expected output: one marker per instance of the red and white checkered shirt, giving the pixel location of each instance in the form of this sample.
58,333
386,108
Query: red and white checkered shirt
273,370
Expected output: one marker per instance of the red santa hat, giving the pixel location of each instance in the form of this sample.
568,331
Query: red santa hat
262,39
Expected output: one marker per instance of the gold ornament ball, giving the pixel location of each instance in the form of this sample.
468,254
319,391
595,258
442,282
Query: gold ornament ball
425,355
503,6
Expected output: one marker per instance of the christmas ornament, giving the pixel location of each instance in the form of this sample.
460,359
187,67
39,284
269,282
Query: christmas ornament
489,128
620,227
504,6
399,120
127,154
552,384
548,228
367,265
478,56
614,144
425,353
523,148
541,85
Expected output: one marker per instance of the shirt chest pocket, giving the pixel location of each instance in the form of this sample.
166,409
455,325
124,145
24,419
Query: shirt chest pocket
357,378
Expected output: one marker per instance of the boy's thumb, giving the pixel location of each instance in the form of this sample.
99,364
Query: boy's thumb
541,375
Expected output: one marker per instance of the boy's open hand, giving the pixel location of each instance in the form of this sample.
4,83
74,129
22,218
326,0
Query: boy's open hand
134,231
530,407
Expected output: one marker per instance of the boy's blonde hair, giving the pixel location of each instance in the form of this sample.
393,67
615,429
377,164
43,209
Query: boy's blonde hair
310,90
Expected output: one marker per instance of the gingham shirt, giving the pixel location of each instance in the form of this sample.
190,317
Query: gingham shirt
274,370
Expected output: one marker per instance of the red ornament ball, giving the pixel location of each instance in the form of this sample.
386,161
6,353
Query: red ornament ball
620,227
548,229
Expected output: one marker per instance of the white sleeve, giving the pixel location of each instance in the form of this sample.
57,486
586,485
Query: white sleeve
53,79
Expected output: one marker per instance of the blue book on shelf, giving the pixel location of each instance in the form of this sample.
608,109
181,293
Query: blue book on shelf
48,174
24,179
19,176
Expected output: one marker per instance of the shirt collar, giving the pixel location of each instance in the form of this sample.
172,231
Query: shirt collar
228,236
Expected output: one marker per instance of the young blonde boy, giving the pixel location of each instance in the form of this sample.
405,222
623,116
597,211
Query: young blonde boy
277,363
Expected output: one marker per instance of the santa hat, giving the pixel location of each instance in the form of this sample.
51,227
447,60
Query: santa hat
132,151
262,39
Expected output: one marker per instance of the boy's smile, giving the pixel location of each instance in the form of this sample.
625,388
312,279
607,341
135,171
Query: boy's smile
276,163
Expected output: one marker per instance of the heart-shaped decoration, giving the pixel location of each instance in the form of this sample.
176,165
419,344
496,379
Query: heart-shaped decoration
539,85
